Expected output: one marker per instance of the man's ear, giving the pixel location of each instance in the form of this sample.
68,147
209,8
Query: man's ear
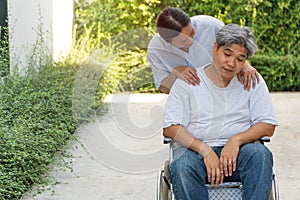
214,48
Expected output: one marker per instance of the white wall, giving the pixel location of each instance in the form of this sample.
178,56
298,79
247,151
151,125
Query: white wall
24,19
62,27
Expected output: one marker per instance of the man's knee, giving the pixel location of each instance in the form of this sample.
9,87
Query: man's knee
188,164
256,164
256,152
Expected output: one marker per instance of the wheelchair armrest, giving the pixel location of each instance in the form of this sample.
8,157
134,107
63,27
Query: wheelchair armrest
261,140
264,139
167,140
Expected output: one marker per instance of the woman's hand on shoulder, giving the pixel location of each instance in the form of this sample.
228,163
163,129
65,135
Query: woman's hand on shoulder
248,75
188,74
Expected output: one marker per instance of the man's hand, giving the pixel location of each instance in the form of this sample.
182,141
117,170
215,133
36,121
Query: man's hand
228,157
188,74
247,75
212,163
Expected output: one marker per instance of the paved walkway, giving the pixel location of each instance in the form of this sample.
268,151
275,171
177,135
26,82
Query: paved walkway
119,154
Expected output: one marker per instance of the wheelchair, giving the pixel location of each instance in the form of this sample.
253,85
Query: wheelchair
224,191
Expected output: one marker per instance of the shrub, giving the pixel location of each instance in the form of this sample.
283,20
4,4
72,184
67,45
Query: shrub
107,18
275,24
36,122
4,52
130,72
281,73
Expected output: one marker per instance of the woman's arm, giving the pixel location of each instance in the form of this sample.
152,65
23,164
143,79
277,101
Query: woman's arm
186,73
247,75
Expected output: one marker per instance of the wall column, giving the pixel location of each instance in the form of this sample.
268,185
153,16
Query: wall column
56,19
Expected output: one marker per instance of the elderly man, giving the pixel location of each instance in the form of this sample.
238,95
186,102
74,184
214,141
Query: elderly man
215,124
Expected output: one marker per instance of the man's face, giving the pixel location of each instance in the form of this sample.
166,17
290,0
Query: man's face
185,39
229,60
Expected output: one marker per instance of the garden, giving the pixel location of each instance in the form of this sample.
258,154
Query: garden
40,110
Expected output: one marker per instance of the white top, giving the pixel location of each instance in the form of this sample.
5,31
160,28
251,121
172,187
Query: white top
164,57
214,114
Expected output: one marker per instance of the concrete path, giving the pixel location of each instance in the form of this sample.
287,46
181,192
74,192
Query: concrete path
118,156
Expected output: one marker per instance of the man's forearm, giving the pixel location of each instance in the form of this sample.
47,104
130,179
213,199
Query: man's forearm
180,135
254,133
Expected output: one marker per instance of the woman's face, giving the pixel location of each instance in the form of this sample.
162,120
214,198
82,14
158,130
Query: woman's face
185,39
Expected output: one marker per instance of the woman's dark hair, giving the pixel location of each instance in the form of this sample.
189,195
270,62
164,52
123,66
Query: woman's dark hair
170,23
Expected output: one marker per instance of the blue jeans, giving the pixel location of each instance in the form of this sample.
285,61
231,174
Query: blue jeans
254,170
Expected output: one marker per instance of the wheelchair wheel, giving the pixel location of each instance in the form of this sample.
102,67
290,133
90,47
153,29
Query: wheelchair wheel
272,196
165,185
274,193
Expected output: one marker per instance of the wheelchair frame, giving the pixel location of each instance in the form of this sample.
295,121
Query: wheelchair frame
164,187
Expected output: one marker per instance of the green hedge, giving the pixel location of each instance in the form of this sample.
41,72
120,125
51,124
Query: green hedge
133,73
4,52
36,121
106,18
281,73
274,22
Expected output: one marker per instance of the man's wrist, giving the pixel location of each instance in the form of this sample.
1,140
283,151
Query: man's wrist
174,73
205,150
236,139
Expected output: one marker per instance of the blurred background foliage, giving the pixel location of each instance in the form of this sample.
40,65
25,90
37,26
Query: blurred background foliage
103,22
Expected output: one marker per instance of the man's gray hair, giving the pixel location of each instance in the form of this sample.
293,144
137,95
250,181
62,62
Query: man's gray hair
235,34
